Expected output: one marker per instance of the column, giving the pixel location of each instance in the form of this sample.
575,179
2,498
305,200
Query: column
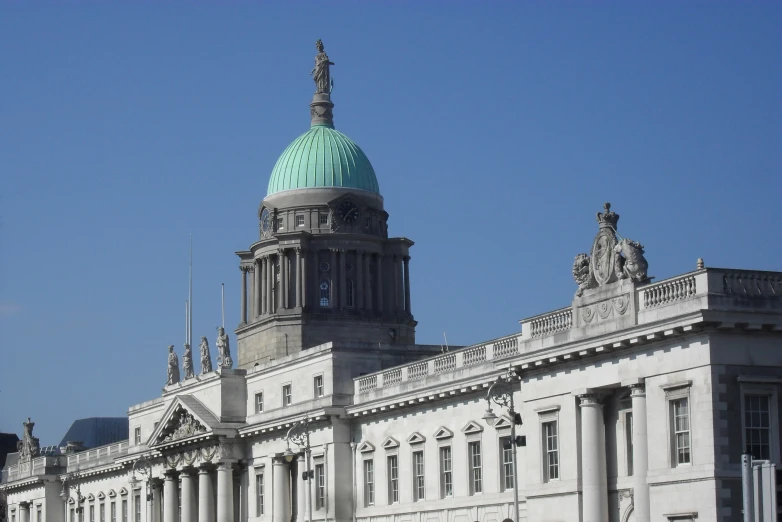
303,278
244,294
281,508
206,500
283,280
225,492
24,512
406,260
258,269
251,292
593,460
367,285
359,280
342,278
298,278
264,278
334,279
189,507
640,454
171,497
379,283
397,285
157,493
301,491
269,285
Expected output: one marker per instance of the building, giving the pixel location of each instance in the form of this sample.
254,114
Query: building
634,403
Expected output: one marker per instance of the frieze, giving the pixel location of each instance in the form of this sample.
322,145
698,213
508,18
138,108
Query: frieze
603,310
186,426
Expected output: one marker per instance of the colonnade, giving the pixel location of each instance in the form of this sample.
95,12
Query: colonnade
280,280
191,492
593,457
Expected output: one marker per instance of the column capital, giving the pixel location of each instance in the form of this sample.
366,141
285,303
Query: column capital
171,474
155,482
187,471
591,399
24,504
638,390
406,258
206,468
226,464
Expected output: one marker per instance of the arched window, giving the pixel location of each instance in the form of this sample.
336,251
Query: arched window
325,293
349,292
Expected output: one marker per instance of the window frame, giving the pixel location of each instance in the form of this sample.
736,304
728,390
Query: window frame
300,220
749,386
287,399
318,386
368,468
323,218
350,293
445,475
113,511
392,478
503,463
419,496
137,507
259,492
325,300
472,479
258,395
675,392
39,513
137,435
320,485
124,510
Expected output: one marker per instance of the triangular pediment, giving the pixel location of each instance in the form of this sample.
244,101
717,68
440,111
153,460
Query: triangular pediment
416,438
185,417
472,427
366,447
123,491
390,443
101,495
443,433
90,497
112,493
502,423
71,500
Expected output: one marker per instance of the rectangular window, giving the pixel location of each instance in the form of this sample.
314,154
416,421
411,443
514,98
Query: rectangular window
113,511
299,221
551,442
320,486
92,512
680,429
259,402
757,426
318,386
629,442
286,395
13,517
349,294
137,508
39,514
506,457
73,514
419,484
102,512
137,435
258,494
446,472
323,219
476,477
124,510
369,483
280,223
393,479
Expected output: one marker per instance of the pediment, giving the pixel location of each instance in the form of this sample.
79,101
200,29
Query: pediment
416,438
71,501
90,497
472,427
112,493
184,418
502,423
443,433
366,447
390,443
123,491
101,495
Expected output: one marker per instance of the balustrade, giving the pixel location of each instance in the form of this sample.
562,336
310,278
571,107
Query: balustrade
551,323
445,363
474,356
669,291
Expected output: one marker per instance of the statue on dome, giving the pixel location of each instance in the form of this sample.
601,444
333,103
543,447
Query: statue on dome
223,349
206,358
173,366
187,362
321,73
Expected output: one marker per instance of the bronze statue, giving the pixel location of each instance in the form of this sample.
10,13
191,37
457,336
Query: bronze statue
321,73
206,358
173,366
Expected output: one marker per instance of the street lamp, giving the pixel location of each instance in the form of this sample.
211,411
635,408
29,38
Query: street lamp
143,467
501,393
299,434
68,482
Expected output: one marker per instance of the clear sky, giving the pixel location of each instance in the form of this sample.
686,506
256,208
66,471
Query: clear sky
497,130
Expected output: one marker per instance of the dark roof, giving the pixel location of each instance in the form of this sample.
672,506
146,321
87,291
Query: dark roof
97,431
7,445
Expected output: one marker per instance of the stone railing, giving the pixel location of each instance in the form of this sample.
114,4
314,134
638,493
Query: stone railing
550,323
668,291
441,364
97,456
745,283
33,468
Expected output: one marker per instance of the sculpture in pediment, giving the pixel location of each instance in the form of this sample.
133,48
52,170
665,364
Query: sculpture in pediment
182,426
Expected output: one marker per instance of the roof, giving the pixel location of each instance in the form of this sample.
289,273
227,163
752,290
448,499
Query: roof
97,431
323,157
7,445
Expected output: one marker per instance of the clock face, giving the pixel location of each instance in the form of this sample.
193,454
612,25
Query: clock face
266,222
348,212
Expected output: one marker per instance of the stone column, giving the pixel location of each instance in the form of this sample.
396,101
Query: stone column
342,279
269,285
251,293
206,499
157,493
379,283
264,280
24,512
367,286
301,490
244,294
397,285
303,278
258,270
298,278
281,507
593,460
189,507
406,259
284,279
640,455
225,492
334,279
359,280
171,497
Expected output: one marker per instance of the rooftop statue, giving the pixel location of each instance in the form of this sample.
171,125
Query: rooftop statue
173,366
321,73
29,447
187,362
223,349
206,358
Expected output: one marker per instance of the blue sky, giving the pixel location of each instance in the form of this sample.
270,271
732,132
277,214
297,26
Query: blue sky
497,130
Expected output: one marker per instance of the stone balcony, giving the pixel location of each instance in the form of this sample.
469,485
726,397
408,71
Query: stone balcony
36,467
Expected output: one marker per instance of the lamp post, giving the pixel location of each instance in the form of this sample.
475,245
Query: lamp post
143,467
299,434
71,480
501,393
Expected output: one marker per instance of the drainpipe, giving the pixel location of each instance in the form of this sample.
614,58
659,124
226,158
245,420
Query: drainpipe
353,446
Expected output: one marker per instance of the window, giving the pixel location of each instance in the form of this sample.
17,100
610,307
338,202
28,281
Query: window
320,486
124,510
102,512
137,435
446,472
92,512
325,293
259,402
323,219
39,514
680,429
757,426
393,479
13,516
73,514
280,223
366,222
299,221
506,457
113,511
349,293
258,494
286,395
419,491
137,508
551,443
629,441
476,478
318,386
369,483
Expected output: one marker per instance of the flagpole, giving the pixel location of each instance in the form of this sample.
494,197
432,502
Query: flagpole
222,304
190,296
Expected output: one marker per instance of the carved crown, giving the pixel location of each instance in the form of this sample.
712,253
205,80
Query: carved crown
607,218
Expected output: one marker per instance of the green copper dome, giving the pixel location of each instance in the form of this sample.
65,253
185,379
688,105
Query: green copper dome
323,157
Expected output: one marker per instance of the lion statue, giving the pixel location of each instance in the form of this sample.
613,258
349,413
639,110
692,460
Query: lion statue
635,264
582,273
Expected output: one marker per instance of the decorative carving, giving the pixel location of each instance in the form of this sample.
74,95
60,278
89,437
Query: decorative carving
206,357
172,460
184,425
321,72
187,362
582,273
604,309
173,366
223,349
603,264
635,264
620,304
208,453
225,450
29,447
